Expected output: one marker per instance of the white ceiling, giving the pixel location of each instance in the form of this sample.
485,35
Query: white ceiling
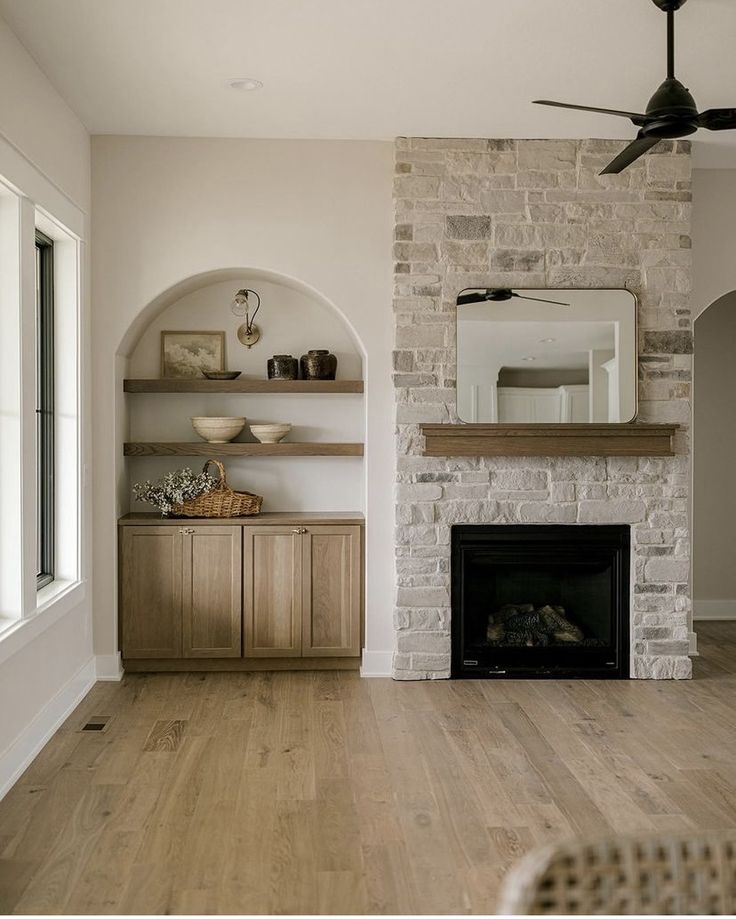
374,69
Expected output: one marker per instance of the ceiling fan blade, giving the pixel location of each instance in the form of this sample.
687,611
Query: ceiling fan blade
630,154
472,298
637,118
540,300
718,119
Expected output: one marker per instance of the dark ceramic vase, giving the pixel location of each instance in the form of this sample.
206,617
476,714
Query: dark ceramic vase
318,365
283,367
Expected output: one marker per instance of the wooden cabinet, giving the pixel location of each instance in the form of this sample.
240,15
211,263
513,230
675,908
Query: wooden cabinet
279,594
302,591
331,574
212,592
151,591
181,591
273,599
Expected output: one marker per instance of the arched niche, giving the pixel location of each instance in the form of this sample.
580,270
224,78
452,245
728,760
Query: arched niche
253,276
714,443
293,318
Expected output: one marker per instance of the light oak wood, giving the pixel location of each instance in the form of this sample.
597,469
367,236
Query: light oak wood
297,586
331,591
212,595
273,592
243,386
242,449
272,518
319,792
151,592
549,439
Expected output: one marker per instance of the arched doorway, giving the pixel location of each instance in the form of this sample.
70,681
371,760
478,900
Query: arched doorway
714,484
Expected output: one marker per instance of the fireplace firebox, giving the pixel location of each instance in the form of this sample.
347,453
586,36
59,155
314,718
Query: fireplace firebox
535,601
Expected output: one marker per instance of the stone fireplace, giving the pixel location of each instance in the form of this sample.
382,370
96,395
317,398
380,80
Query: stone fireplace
535,213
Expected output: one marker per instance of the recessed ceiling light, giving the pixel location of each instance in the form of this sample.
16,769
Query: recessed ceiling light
245,84
528,358
546,341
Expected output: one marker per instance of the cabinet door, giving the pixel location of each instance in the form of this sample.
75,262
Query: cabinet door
273,591
331,591
212,593
151,591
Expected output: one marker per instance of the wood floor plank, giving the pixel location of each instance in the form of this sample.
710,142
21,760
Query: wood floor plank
270,793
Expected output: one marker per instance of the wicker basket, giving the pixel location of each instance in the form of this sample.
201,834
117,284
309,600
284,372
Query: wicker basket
222,501
648,875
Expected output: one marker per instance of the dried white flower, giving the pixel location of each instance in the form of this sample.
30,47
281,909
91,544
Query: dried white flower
174,488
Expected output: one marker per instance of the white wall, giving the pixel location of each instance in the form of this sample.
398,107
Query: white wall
714,236
714,382
714,492
45,661
317,212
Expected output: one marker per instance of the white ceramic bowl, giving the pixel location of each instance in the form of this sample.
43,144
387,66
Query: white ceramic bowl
270,433
218,430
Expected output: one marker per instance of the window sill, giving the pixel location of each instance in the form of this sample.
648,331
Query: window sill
53,603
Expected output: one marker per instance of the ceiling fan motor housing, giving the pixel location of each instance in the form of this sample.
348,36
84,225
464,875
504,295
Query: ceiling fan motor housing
669,6
671,112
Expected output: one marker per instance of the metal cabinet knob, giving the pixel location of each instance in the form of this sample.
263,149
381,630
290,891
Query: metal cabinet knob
186,531
300,531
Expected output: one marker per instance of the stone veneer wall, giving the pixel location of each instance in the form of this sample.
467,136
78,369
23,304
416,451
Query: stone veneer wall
535,213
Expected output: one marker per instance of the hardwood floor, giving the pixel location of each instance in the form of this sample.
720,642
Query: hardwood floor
322,792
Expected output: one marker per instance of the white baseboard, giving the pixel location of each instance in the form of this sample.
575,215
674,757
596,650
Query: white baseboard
692,637
714,609
376,663
109,668
18,756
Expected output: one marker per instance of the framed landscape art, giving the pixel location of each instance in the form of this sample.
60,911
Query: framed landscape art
188,353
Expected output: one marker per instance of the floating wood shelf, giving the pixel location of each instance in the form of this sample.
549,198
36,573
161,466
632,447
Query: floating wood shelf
243,386
239,449
548,439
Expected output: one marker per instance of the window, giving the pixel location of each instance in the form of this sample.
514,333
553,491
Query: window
45,420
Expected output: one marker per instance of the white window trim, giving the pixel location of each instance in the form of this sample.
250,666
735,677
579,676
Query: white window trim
33,200
63,598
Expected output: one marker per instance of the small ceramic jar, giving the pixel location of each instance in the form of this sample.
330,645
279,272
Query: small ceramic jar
318,365
283,367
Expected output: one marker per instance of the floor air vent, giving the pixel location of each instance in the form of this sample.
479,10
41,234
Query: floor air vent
97,723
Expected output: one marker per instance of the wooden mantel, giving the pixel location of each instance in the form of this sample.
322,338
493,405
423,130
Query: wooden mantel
548,439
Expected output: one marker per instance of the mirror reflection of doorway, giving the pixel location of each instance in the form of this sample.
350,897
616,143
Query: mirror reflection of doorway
555,356
714,486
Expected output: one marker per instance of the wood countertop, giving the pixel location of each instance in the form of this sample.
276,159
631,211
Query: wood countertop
274,518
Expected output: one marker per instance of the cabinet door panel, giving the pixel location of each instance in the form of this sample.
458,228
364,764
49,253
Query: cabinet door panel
212,604
151,595
331,583
273,573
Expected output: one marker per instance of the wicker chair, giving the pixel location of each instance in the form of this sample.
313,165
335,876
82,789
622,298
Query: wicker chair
657,875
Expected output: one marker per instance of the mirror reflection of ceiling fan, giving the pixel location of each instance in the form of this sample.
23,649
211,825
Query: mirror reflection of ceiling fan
671,112
498,294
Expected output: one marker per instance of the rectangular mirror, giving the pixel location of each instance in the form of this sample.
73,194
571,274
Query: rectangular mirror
571,360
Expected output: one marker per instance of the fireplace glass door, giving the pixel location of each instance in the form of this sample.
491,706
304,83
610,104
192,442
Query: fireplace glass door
540,601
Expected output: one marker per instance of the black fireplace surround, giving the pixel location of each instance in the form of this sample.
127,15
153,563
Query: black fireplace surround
540,602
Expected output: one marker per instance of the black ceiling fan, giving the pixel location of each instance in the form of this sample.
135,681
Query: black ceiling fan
671,111
498,294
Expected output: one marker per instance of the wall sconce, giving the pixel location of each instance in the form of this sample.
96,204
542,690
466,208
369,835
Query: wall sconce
248,332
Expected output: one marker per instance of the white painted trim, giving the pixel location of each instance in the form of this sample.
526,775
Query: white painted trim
23,631
692,637
376,663
714,609
18,756
109,667
31,181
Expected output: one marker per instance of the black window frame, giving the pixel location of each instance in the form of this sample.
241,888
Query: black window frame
45,412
